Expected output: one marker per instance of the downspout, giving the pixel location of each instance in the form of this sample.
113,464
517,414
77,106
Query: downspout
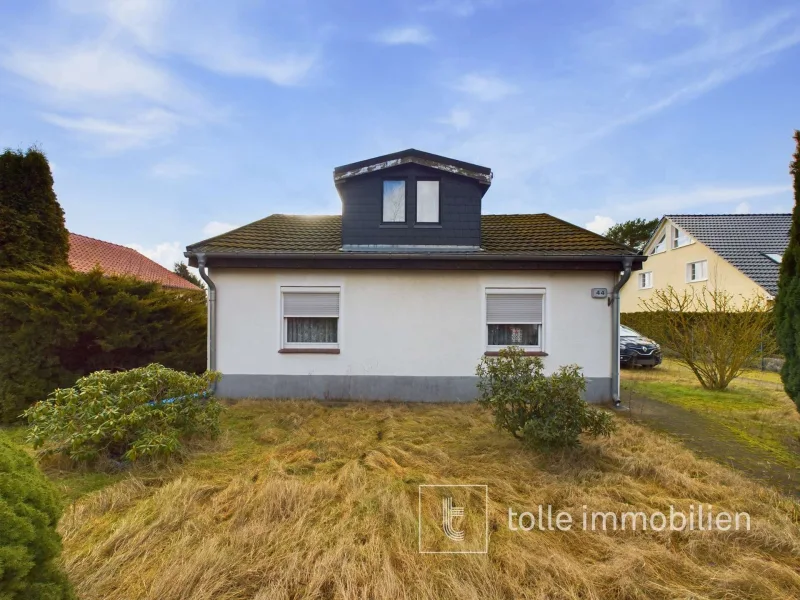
627,263
212,315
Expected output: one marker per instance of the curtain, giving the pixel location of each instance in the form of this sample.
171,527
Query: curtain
311,330
514,335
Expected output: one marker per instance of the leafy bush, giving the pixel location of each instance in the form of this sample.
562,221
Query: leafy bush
141,413
58,325
537,409
29,543
715,333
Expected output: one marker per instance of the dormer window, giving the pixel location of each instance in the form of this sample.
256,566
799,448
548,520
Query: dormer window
680,238
661,245
394,201
427,201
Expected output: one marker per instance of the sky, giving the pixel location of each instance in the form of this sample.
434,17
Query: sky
169,121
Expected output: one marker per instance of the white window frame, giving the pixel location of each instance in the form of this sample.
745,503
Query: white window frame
680,238
405,202
438,201
543,325
704,276
285,344
661,245
645,280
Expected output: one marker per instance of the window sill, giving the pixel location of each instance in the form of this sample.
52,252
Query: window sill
309,351
428,226
526,353
393,225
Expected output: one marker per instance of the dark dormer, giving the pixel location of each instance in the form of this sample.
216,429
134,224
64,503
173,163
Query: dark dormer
411,199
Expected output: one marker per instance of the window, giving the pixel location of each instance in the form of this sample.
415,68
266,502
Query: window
661,244
776,258
645,280
697,271
680,238
394,201
427,201
514,317
310,317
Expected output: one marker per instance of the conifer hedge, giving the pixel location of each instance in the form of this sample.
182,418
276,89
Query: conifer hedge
57,325
787,303
29,542
32,230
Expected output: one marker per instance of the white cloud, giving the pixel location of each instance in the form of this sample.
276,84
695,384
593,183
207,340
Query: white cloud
599,224
484,87
172,168
742,208
404,35
458,119
94,71
115,135
166,254
701,199
105,71
458,8
217,228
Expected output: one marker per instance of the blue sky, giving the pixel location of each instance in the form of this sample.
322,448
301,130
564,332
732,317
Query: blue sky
167,121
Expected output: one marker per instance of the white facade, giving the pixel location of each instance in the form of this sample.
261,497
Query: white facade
402,334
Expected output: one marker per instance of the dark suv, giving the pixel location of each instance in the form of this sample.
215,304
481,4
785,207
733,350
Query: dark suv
635,349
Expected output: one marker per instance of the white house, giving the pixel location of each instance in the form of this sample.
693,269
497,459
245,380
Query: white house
399,296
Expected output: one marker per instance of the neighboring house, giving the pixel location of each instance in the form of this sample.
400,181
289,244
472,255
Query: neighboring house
738,253
400,296
86,253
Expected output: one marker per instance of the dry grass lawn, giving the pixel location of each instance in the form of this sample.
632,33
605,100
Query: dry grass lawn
304,500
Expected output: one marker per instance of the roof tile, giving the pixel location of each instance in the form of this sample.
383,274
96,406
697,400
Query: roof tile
526,235
86,253
744,241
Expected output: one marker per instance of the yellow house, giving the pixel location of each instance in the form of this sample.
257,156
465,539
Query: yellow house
739,253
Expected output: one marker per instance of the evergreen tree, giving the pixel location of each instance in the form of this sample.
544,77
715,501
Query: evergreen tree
32,230
182,270
633,233
787,303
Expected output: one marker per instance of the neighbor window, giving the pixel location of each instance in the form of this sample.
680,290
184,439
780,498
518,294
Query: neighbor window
645,280
514,317
679,238
697,271
427,201
310,317
661,244
394,201
777,258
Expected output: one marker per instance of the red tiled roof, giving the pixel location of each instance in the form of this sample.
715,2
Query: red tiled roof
86,253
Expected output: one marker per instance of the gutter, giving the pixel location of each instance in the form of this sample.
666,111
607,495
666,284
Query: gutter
211,347
613,301
477,256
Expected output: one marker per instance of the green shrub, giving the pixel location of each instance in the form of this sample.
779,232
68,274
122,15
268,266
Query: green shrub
29,543
539,410
58,325
130,415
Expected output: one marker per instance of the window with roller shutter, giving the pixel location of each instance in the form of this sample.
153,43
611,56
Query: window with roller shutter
310,317
514,317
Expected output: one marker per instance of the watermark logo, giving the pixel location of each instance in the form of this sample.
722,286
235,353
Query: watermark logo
450,512
453,519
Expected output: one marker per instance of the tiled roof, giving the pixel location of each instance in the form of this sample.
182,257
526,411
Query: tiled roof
86,253
743,240
526,235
